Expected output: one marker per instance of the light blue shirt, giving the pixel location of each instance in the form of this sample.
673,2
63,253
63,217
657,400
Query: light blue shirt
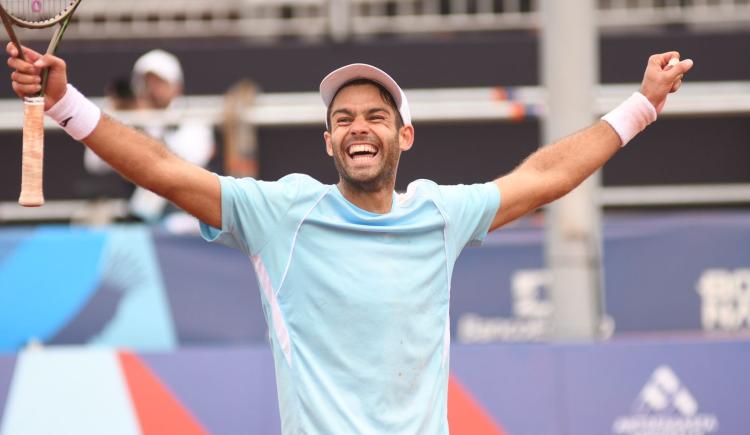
356,302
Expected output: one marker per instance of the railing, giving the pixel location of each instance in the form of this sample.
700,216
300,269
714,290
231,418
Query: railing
428,106
644,13
343,19
501,104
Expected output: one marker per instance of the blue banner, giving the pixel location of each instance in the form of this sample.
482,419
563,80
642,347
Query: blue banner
139,287
623,387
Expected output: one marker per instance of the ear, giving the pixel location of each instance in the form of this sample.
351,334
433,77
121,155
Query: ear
329,143
406,137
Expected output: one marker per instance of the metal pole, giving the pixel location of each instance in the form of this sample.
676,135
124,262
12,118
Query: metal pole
570,68
339,19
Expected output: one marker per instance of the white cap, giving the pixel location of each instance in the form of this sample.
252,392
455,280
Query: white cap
335,80
159,62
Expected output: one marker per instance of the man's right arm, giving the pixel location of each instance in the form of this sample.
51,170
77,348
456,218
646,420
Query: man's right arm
138,157
149,164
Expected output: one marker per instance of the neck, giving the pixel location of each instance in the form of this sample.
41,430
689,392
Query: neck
376,201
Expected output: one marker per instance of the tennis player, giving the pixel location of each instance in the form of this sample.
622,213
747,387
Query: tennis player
355,277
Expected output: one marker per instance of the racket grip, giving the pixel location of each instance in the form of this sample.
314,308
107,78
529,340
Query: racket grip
32,194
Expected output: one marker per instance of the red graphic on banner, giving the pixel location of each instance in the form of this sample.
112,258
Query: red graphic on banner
465,415
159,411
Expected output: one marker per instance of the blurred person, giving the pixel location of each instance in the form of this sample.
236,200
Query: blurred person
100,183
120,95
355,278
240,137
157,82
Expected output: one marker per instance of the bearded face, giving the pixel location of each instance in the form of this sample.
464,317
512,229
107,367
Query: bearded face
364,141
366,162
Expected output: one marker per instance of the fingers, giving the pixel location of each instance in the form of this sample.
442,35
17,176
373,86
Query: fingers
54,63
664,75
23,90
25,72
665,58
35,68
662,60
28,53
25,79
675,74
672,62
666,62
22,66
683,67
667,68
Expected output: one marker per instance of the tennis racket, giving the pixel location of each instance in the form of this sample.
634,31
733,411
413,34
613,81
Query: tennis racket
35,14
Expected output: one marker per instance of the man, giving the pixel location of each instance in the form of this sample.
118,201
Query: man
355,278
157,81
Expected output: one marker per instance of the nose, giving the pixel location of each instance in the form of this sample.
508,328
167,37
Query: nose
359,126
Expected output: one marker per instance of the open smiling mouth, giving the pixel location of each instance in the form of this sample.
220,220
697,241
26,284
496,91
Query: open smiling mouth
362,152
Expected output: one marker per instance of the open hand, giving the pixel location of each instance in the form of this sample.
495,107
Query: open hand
27,74
662,78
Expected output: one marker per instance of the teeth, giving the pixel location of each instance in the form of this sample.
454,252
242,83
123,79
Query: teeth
362,148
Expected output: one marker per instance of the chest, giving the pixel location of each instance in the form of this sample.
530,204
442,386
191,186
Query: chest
361,265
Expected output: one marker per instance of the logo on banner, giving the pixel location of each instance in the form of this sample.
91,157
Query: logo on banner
531,313
725,299
531,309
665,407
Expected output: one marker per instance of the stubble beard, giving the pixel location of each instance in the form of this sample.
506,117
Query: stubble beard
383,178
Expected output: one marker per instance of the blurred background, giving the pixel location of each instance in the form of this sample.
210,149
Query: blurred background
116,318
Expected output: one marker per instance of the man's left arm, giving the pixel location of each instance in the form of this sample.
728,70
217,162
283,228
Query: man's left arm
556,169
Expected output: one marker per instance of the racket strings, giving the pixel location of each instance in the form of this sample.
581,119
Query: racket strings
37,11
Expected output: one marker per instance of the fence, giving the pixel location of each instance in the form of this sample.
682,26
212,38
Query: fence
344,19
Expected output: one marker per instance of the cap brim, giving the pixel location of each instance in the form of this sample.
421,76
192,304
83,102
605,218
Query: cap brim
333,81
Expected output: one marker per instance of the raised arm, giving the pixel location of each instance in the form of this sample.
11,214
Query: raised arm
556,169
138,157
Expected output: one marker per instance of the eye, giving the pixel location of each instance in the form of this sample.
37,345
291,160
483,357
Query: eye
377,117
344,120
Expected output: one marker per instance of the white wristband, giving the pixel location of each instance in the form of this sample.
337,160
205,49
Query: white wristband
631,117
75,113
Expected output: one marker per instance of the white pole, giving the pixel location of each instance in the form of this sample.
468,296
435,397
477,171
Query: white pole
570,69
339,19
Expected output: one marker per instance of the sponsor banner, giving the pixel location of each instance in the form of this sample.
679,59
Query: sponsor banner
76,390
725,299
515,385
673,272
72,285
665,406
666,272
230,390
142,288
657,388
675,387
212,291
126,285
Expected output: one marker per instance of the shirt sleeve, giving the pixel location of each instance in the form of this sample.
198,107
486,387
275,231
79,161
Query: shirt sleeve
470,210
251,210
